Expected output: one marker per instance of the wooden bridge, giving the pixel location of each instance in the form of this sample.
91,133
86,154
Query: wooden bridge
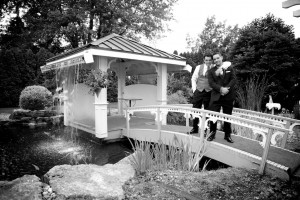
267,156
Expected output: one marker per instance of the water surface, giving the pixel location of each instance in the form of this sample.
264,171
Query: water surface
36,151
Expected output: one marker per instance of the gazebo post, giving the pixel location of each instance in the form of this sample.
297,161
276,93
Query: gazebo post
101,102
121,73
162,81
66,110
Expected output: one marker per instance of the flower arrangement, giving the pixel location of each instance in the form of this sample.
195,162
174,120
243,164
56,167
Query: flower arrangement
95,79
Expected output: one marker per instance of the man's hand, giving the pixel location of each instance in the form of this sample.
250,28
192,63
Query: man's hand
224,90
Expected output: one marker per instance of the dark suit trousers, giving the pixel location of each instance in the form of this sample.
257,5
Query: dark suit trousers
200,98
227,106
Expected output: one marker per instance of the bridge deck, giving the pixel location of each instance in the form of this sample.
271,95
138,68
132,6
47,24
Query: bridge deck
281,156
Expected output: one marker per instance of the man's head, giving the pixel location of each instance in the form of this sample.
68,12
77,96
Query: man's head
208,59
218,59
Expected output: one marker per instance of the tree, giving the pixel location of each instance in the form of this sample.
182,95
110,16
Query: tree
267,45
19,68
50,22
216,36
38,29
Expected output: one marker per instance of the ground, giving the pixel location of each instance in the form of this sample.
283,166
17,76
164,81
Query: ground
230,183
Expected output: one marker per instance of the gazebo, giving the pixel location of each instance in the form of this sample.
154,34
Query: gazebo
125,57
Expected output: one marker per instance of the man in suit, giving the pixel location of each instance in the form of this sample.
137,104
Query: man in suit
222,79
201,88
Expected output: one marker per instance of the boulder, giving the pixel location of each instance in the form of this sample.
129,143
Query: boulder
38,113
26,119
24,188
89,181
56,120
20,113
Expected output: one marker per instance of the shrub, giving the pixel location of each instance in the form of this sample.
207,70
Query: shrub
173,117
35,98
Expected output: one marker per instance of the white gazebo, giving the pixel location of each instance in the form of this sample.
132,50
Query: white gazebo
124,56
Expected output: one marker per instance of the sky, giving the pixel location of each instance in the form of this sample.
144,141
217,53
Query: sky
190,17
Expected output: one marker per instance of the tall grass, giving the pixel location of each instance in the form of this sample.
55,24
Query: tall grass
251,92
177,155
250,96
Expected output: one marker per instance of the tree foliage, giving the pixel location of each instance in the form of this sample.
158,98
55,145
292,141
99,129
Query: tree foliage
216,36
19,68
40,29
267,45
81,21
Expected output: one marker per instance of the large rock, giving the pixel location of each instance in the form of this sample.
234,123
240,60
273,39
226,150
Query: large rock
28,187
20,113
90,181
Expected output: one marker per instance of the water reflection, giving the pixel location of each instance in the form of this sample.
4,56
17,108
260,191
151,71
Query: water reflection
35,151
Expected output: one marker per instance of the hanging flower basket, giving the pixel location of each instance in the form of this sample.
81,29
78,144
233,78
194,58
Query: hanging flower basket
95,79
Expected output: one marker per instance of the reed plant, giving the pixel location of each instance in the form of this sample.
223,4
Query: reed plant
177,155
250,95
251,92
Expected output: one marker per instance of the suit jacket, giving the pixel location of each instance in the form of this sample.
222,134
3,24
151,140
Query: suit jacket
228,79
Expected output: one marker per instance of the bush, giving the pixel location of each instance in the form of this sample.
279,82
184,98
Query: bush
35,98
173,117
177,98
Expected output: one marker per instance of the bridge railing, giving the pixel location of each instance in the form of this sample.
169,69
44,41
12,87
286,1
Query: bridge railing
268,131
276,120
284,122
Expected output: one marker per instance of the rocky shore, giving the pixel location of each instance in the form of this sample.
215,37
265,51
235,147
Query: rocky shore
71,182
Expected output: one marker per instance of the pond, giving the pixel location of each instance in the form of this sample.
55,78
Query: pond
36,151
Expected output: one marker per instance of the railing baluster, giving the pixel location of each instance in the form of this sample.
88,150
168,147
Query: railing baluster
203,119
127,123
284,139
266,151
187,120
158,122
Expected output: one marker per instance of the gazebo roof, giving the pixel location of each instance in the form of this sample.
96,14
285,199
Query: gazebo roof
115,46
117,43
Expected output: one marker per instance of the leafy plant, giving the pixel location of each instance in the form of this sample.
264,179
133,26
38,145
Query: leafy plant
95,79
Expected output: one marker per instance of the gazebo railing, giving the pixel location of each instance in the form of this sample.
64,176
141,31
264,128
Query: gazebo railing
269,132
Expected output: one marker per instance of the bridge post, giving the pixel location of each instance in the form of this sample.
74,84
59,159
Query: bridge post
202,126
266,151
